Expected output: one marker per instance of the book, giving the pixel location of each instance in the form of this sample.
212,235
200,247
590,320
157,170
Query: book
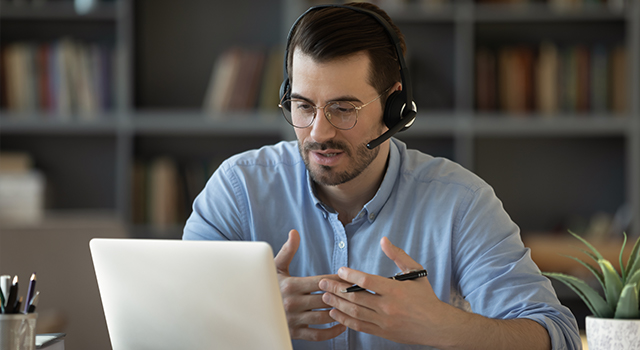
546,96
246,82
15,162
583,81
569,80
243,79
22,196
58,78
485,79
139,192
85,87
43,66
163,192
50,341
619,80
272,79
516,79
599,76
220,88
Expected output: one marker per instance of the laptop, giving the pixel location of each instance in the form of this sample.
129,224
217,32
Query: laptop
174,294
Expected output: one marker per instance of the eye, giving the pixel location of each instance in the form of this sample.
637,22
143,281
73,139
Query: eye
303,106
342,108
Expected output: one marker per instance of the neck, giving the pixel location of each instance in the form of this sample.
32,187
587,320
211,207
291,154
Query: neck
350,197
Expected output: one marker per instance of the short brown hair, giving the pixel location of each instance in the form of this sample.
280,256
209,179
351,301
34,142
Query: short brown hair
333,32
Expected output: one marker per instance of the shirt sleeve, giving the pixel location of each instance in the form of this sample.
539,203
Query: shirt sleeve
219,211
496,274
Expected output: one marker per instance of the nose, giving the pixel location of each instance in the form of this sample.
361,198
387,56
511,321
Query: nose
321,129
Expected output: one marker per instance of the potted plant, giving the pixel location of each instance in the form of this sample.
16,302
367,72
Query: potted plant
615,320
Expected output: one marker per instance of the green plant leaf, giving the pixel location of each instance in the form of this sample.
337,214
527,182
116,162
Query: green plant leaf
593,249
622,269
593,270
596,304
634,279
593,257
628,304
632,263
612,282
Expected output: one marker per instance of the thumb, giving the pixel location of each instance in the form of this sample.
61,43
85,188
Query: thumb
400,258
286,253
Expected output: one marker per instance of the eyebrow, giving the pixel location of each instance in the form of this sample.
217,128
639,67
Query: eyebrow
349,98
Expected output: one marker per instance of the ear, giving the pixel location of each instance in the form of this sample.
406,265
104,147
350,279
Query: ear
396,87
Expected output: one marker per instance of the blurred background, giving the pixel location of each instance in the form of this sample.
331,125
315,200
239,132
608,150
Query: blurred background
115,113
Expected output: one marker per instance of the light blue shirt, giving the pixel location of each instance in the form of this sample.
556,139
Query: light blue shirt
445,217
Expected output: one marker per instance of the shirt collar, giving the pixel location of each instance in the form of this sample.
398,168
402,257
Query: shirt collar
373,207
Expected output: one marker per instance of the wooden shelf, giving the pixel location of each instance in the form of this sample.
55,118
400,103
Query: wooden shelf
547,251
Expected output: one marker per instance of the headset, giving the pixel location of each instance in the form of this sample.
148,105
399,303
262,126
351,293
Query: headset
397,117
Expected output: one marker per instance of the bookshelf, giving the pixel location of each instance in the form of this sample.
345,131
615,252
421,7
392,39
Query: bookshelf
550,171
542,166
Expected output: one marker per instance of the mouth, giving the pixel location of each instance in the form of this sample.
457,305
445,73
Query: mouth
327,157
327,154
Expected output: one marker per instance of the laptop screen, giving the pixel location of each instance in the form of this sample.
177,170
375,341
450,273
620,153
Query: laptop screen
174,294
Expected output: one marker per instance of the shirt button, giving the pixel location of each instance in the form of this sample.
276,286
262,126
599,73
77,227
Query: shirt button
361,215
341,245
372,216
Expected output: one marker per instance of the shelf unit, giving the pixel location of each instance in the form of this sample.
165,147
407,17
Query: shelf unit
540,167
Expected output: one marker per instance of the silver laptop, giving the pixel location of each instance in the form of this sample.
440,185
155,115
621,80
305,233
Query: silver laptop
173,294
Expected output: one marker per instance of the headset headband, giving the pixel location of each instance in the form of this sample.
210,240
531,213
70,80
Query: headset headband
405,79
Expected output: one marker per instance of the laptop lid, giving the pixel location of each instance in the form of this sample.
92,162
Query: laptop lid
173,294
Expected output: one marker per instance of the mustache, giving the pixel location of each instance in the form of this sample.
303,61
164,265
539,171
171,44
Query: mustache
322,146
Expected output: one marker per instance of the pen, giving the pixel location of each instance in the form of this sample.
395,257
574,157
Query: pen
411,275
34,303
16,307
5,282
1,301
13,295
30,292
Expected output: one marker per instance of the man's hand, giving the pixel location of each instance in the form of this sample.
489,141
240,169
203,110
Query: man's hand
299,304
402,311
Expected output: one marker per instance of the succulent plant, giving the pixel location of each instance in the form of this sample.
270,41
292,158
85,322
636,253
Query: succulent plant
620,290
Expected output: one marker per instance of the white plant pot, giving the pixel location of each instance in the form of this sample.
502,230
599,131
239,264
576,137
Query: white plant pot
612,334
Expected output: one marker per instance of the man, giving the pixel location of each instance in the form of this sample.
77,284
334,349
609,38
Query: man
357,215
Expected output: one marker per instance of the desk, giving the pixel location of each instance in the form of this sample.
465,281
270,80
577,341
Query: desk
583,336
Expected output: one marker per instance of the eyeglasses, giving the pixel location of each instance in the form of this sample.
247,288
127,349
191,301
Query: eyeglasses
341,114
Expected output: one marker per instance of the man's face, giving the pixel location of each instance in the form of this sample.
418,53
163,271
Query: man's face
334,156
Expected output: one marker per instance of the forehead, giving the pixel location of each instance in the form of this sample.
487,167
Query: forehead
345,75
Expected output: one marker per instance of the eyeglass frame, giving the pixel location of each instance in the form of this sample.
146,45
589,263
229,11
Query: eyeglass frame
315,110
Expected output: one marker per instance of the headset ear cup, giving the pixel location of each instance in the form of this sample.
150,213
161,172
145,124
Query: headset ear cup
284,90
393,109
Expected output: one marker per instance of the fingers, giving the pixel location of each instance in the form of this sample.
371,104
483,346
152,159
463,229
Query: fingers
304,306
315,334
287,252
310,318
295,303
351,308
375,283
303,285
399,256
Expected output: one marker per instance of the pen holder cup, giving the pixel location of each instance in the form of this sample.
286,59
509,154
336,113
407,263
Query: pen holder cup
18,331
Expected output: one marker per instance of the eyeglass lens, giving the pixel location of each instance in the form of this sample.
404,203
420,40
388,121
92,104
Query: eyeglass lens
300,113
